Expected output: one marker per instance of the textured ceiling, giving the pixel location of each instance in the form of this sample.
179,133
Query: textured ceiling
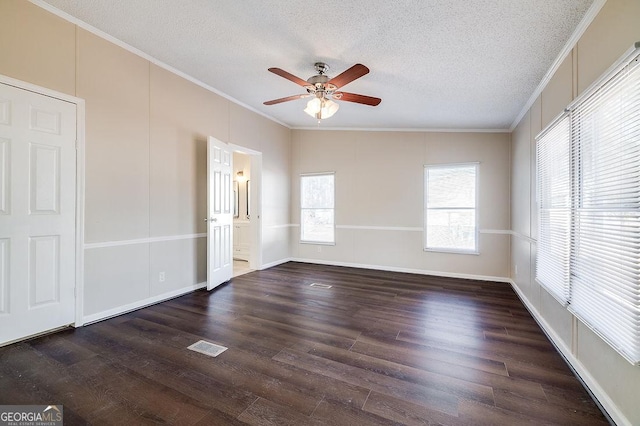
458,64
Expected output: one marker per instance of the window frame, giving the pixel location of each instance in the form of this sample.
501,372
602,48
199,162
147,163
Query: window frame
301,209
425,209
598,285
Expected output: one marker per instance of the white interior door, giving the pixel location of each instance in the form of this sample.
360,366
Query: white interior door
220,213
37,213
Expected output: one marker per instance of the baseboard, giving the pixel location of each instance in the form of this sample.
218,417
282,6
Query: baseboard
601,397
275,263
405,270
110,313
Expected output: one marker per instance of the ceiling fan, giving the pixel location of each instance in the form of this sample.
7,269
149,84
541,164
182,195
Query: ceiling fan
324,90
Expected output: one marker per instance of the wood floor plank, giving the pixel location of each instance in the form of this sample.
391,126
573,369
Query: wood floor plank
443,383
303,382
452,367
417,355
378,348
332,413
264,412
61,350
426,396
405,412
579,401
546,412
496,350
202,387
226,371
49,382
478,414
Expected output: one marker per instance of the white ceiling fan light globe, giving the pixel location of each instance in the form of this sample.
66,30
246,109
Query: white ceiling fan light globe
314,106
329,108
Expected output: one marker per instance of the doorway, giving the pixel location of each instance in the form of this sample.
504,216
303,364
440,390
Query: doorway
241,213
223,204
246,221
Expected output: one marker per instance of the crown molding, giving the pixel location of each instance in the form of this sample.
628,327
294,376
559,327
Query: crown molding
59,13
415,130
588,18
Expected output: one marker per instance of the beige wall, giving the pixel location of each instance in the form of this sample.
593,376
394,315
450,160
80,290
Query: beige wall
117,140
146,133
617,382
37,47
379,184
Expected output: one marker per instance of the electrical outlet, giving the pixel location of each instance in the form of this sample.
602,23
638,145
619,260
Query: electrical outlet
161,277
319,249
516,269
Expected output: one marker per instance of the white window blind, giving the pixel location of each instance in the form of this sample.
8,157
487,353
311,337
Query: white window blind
317,203
554,203
450,207
590,259
605,261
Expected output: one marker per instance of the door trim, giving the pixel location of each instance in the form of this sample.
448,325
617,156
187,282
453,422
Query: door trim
80,182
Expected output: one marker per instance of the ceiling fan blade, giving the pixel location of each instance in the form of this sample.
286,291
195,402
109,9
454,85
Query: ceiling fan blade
288,98
359,99
290,77
346,77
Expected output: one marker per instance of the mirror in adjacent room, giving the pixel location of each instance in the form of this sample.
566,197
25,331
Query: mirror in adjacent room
236,206
248,200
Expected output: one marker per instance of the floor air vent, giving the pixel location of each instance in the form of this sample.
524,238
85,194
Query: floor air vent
207,348
320,285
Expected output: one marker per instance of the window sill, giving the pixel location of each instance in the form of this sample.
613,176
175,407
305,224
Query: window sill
317,243
452,251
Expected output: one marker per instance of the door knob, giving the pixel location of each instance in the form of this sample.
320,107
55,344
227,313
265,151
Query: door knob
214,219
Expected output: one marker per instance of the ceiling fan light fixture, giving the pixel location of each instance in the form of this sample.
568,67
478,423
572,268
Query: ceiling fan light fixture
324,89
329,108
321,108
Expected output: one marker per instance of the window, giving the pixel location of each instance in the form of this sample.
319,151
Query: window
450,213
317,205
554,208
589,206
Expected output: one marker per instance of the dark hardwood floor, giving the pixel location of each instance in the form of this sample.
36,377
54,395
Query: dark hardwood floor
376,348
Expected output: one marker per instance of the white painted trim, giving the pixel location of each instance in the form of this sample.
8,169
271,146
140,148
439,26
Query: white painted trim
143,241
286,225
587,19
125,46
524,237
495,231
80,181
415,130
110,313
603,399
399,228
380,228
405,270
80,210
39,89
274,263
